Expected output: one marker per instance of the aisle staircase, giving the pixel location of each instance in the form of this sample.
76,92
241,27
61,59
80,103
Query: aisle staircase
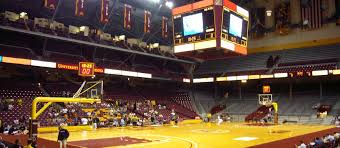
259,114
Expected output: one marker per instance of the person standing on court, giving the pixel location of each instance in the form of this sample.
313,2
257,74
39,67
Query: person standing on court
62,137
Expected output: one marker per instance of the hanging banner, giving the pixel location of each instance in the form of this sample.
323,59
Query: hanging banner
51,4
147,21
104,13
80,8
165,27
127,16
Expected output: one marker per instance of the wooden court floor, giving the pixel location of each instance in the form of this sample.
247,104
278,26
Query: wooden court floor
203,135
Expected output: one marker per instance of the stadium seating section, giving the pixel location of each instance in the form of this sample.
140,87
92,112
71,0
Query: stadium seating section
180,102
91,35
312,58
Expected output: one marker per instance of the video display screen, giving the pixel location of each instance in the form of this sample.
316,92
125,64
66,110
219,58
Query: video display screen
193,24
235,25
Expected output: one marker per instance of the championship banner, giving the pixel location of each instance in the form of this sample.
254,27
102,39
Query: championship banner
104,11
127,16
51,4
147,21
311,14
165,27
80,8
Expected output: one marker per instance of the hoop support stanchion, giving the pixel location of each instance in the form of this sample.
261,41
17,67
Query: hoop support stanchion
33,133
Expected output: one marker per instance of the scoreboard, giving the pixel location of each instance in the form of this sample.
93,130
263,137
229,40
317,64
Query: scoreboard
234,27
210,24
86,69
196,26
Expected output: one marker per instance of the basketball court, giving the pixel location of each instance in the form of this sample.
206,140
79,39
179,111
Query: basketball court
202,135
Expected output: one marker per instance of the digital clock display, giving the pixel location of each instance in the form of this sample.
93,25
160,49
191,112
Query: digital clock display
86,69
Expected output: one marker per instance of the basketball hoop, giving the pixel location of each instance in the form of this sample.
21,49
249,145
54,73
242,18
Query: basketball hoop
265,99
268,104
92,89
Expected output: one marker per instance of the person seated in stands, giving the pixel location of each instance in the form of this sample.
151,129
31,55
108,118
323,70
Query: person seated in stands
17,144
134,120
160,119
2,144
64,111
6,128
325,140
318,141
19,102
22,129
312,145
2,127
153,118
122,122
174,117
337,121
336,135
22,119
115,121
88,114
330,138
337,139
15,122
10,107
12,130
84,121
301,145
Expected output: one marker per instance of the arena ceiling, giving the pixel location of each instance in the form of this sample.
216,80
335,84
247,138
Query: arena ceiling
65,14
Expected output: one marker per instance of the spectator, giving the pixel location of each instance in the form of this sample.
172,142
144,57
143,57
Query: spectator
325,139
62,137
330,138
2,145
122,122
10,107
336,135
17,144
95,122
19,102
12,130
318,141
84,121
64,111
2,127
312,144
30,144
302,145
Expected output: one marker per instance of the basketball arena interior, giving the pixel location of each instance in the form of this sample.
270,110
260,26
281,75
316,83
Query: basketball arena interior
170,73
